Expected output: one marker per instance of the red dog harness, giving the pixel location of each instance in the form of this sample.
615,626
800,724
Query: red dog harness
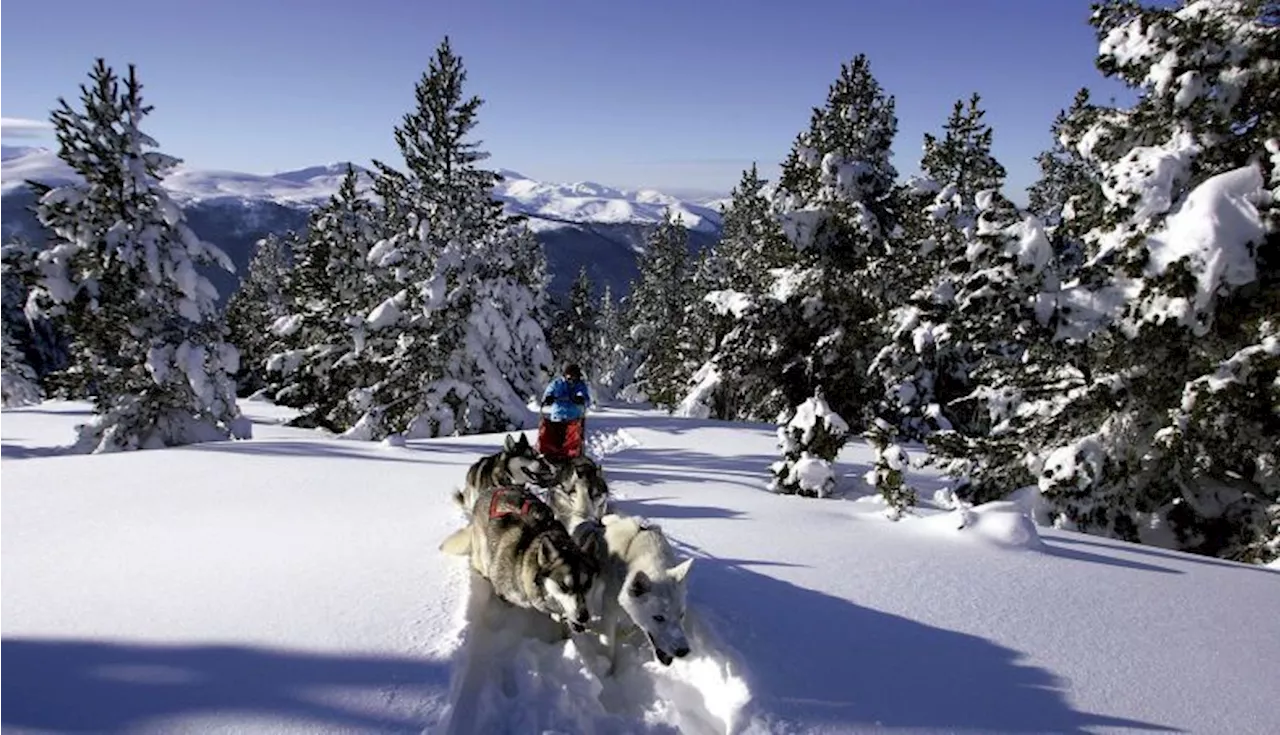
497,508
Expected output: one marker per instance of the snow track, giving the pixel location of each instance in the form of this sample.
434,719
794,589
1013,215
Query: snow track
600,446
514,673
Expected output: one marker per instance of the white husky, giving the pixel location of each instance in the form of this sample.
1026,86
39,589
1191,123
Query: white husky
640,584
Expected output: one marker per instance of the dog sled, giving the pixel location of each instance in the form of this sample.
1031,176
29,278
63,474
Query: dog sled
560,441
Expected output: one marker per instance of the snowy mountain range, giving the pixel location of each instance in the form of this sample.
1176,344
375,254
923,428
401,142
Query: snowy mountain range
579,224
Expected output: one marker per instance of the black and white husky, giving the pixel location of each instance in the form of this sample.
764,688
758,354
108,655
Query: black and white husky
579,490
515,542
518,463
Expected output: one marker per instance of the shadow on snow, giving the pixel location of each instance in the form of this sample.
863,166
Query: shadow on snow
91,686
817,661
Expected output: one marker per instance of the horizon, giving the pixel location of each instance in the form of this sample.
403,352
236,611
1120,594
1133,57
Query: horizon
685,117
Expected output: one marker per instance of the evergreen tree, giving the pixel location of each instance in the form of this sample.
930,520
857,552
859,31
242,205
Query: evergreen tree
839,208
962,159
656,308
1068,182
609,346
733,306
887,474
1069,189
18,383
926,366
315,359
745,252
122,270
1165,429
34,342
810,438
255,307
574,332
458,332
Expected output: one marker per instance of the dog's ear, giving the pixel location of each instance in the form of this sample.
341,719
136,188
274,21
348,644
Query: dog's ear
523,441
546,552
509,444
591,546
679,571
640,585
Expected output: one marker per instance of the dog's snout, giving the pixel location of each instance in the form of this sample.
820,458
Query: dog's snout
682,651
583,615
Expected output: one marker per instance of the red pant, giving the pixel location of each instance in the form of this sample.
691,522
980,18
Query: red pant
560,439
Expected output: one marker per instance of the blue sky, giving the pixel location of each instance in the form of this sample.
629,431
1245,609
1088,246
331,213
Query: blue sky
676,95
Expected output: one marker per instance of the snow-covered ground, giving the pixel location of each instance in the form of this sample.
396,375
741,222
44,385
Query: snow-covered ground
292,583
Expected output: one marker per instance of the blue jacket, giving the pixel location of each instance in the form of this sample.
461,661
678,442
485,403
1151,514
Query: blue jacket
563,391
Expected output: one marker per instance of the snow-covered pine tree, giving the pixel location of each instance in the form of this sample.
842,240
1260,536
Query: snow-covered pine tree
1068,183
701,328
1166,432
34,341
458,329
745,252
962,158
122,270
887,475
18,383
810,438
925,367
574,335
839,208
655,310
733,307
313,358
260,300
510,359
609,347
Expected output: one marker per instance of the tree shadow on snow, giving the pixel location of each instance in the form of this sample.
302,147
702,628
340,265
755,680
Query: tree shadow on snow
289,448
667,424
814,661
91,686
1051,548
1163,554
649,477
649,508
17,451
753,466
67,411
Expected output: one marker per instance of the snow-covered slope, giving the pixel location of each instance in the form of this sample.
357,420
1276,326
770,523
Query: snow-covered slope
291,583
550,205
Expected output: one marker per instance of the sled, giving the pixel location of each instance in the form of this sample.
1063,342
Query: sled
561,440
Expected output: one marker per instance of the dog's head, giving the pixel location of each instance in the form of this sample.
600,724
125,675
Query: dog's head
656,604
524,464
567,577
582,478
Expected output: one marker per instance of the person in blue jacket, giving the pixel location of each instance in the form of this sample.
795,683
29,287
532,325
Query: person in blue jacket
561,433
567,395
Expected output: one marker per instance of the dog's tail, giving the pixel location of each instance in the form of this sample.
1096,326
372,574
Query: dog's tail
458,543
464,497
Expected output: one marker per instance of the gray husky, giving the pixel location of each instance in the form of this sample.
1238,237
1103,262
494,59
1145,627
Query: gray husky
640,584
517,463
579,490
517,544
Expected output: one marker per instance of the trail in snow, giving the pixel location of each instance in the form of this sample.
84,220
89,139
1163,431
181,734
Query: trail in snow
515,673
602,445
514,670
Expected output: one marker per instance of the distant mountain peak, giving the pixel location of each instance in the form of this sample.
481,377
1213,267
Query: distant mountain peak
547,205
338,168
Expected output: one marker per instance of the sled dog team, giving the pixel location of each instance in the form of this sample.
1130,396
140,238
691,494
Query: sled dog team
569,557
